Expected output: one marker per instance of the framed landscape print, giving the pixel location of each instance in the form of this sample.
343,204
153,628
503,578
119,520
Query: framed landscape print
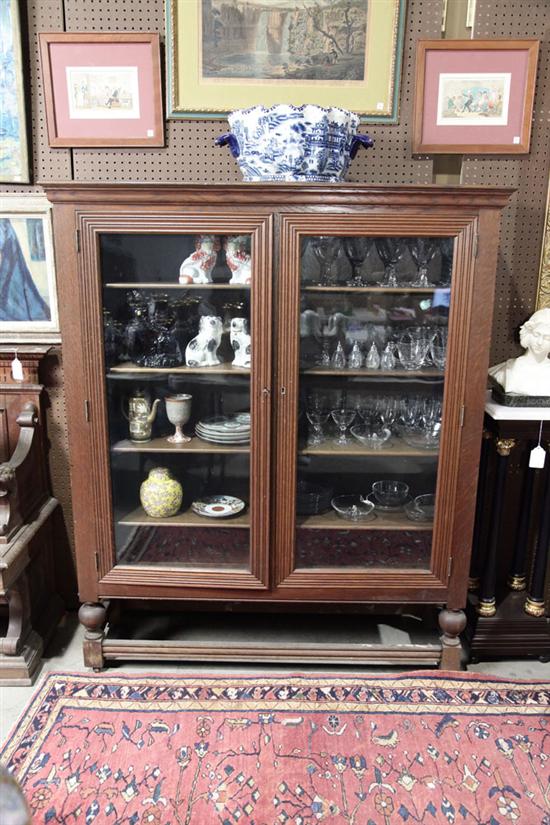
14,161
474,96
232,54
28,301
102,88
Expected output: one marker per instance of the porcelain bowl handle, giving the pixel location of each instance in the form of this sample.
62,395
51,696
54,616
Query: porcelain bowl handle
229,139
360,140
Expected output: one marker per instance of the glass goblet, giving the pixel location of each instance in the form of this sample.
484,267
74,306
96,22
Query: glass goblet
178,411
422,251
317,418
343,418
326,249
390,251
356,250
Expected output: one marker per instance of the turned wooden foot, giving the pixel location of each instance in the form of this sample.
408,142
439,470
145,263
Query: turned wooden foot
92,617
452,623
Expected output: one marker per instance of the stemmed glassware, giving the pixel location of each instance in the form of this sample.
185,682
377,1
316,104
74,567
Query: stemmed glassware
317,418
343,418
390,251
178,411
356,249
422,251
326,249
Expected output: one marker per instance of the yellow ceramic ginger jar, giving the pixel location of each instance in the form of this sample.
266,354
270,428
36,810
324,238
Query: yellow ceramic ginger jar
160,494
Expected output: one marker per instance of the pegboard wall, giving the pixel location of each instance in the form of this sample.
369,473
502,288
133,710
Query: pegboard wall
523,220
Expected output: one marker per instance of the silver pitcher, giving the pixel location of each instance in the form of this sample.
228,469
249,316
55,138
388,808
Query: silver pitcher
140,416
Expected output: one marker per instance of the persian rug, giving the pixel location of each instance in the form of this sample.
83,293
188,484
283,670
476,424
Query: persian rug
277,750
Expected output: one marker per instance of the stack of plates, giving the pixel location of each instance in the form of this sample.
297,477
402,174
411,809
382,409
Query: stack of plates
225,429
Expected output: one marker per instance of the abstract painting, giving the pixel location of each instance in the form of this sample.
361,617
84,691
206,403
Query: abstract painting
14,163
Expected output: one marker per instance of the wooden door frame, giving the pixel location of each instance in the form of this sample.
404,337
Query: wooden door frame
114,579
450,537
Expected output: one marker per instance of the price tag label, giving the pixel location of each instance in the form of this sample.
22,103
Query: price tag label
17,369
537,457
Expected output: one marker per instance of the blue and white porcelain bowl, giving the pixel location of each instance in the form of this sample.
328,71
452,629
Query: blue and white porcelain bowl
293,143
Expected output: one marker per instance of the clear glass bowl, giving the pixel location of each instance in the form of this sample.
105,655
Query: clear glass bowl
312,499
390,493
370,439
353,508
421,439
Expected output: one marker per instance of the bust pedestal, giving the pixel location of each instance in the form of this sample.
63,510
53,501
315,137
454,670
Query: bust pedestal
515,622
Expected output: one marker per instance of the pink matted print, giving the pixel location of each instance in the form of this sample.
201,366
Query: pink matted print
130,64
499,63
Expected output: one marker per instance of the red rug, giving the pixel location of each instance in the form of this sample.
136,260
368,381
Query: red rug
272,750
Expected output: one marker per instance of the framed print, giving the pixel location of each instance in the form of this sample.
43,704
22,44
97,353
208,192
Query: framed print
226,54
474,96
28,300
102,89
14,159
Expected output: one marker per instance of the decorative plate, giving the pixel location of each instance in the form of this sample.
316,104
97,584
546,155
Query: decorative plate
218,506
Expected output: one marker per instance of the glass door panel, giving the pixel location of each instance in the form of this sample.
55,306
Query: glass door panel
373,336
176,313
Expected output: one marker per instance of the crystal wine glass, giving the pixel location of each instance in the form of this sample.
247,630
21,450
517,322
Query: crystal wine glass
317,419
343,418
325,248
422,251
390,251
356,250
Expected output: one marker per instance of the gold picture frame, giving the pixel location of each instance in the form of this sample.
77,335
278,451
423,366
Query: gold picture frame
543,290
325,53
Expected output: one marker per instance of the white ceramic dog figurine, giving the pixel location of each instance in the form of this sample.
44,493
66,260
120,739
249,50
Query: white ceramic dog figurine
240,341
202,350
238,259
197,267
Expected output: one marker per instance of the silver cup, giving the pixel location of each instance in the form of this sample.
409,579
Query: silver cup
178,411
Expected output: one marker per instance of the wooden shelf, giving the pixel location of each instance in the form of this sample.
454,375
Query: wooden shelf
395,290
161,445
220,369
161,285
426,372
139,518
383,521
392,447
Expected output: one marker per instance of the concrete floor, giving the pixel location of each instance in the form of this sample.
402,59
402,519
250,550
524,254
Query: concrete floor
65,654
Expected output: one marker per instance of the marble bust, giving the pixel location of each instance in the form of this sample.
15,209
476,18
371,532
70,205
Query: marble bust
530,373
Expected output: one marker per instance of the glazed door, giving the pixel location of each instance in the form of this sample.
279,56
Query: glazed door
178,373
373,313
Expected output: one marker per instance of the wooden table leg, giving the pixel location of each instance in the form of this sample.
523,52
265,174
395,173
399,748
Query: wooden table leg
487,601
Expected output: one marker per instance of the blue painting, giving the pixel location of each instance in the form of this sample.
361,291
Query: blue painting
13,137
28,303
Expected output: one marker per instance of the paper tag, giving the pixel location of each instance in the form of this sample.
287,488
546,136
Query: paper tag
516,139
537,457
380,106
17,369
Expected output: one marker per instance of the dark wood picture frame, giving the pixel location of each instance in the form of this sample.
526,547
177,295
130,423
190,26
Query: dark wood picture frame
432,136
68,123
